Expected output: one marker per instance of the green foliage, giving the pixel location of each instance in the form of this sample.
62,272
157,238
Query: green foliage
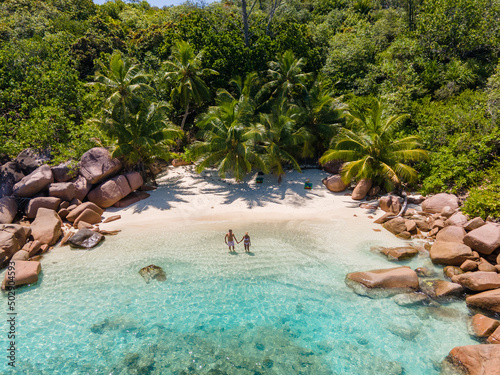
464,140
372,150
227,138
484,200
140,136
184,74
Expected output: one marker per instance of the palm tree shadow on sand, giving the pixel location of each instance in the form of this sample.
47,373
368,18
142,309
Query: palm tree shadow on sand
258,195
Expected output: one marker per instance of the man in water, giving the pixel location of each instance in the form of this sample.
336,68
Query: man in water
229,239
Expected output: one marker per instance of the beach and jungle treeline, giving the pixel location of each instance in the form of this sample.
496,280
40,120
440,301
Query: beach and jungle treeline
398,101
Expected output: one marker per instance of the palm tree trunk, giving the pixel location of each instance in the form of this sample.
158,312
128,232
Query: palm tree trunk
185,116
245,21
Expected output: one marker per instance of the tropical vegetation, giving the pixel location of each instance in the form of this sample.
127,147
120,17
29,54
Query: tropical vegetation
130,76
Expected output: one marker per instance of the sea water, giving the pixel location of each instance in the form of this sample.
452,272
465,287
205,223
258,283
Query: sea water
283,308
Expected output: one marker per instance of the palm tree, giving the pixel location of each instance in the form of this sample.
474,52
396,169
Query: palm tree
184,72
286,78
228,138
372,150
125,82
321,114
283,140
139,137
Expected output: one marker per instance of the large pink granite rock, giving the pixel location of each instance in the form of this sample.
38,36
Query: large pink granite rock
483,326
363,186
46,227
64,172
489,300
473,360
484,239
334,183
474,224
21,272
333,166
8,210
97,164
12,238
73,215
398,278
82,188
396,225
34,183
88,216
108,193
478,281
457,219
134,180
35,204
436,203
450,253
390,203
63,190
452,233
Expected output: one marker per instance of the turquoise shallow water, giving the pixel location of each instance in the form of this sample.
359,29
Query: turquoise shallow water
283,309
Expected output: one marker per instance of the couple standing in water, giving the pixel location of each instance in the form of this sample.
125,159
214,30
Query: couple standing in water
231,238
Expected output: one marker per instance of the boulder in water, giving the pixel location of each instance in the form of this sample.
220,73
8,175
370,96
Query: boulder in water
25,272
384,282
473,360
489,300
85,239
152,272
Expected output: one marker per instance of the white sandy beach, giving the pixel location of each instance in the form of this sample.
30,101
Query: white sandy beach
184,197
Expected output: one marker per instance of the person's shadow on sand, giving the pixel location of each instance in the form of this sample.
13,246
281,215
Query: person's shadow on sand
249,253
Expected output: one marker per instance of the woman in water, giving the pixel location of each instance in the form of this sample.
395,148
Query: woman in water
246,242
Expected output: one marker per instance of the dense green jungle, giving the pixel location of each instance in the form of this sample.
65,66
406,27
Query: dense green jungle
406,93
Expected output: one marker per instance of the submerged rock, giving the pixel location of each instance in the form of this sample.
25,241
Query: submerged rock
382,283
400,253
85,239
152,272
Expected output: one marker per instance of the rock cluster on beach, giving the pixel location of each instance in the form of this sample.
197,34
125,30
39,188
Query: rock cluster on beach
61,204
469,250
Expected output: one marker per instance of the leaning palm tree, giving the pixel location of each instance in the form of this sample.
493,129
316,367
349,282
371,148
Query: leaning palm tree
139,138
286,78
227,138
124,82
185,73
371,149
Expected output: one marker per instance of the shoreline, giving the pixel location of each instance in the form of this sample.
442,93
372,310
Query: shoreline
184,197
